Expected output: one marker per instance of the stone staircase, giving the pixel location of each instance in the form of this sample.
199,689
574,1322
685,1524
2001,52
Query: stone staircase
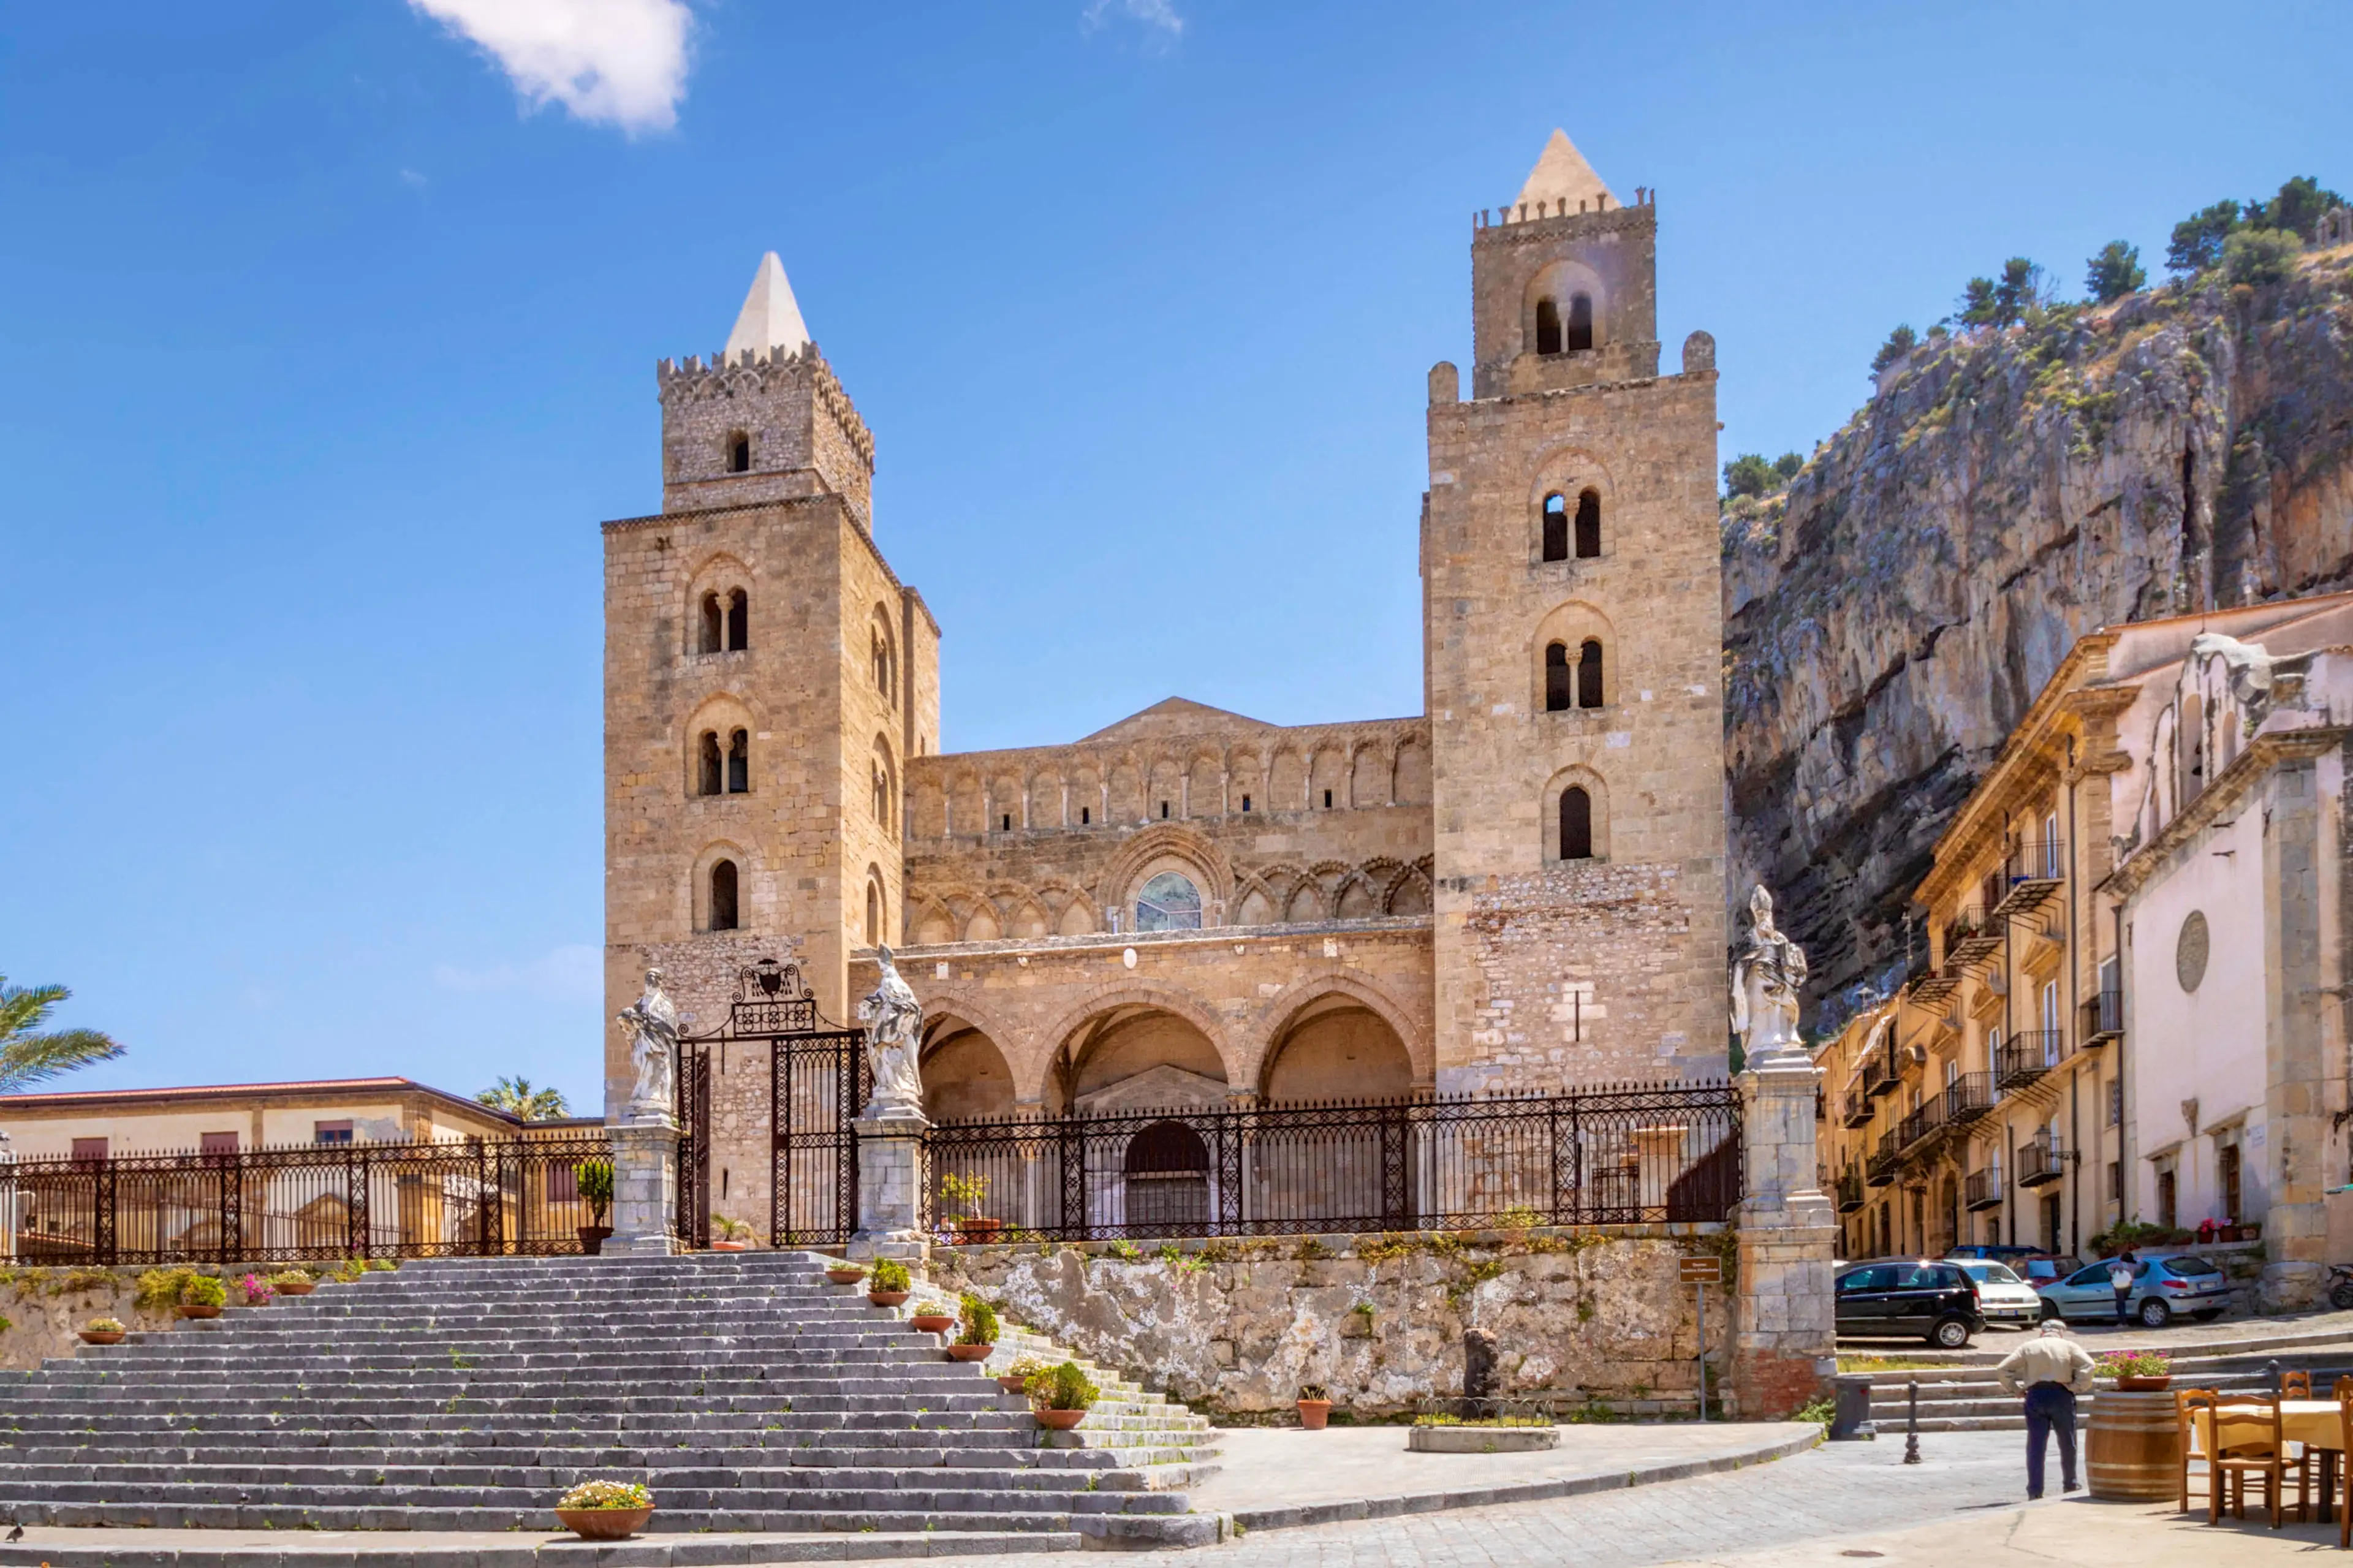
466,1394
1960,1394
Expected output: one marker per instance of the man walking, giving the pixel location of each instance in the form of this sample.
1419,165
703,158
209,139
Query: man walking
2052,1369
2120,1278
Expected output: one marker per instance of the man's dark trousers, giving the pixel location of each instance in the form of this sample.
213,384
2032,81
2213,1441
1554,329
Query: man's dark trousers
2124,1299
2050,1408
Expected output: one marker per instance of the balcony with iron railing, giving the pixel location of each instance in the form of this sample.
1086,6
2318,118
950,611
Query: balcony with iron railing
2041,1162
1982,1189
1881,1073
1970,937
2100,1018
1883,1161
2028,1057
1849,1189
1968,1097
1924,1121
2030,873
1855,1109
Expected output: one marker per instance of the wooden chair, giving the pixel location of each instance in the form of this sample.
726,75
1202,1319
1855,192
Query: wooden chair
2295,1385
2251,1445
2187,1404
2344,1386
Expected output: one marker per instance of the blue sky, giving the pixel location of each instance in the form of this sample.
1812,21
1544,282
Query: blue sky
334,340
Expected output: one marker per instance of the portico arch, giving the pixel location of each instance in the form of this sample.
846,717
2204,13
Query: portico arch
1137,1047
1270,1027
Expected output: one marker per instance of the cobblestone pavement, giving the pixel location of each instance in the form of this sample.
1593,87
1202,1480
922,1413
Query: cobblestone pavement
1836,1489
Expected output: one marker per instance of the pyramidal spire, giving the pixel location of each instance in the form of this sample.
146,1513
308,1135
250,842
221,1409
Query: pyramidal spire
1562,175
771,317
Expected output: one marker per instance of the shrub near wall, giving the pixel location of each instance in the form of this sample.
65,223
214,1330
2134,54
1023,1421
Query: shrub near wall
1586,1319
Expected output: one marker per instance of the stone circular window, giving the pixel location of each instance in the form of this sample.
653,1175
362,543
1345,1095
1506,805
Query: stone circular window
1169,902
2189,951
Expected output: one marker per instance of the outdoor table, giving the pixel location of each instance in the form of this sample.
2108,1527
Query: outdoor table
2311,1422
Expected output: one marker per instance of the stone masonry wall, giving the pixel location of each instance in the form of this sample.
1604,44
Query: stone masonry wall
1577,1319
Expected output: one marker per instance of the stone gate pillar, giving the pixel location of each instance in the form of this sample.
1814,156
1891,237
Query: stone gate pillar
645,1185
891,1177
1785,1330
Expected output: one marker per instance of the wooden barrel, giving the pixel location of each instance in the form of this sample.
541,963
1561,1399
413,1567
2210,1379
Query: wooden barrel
2133,1450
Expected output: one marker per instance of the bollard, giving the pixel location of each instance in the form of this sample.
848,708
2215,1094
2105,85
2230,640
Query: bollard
1911,1422
1851,1420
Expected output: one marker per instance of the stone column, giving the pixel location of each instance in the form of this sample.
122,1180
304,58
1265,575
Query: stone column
645,1187
1785,1330
891,1177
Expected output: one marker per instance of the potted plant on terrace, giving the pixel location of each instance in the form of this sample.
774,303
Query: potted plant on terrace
256,1290
102,1331
1060,1397
969,1192
976,1330
845,1273
735,1235
889,1284
202,1296
931,1318
1016,1378
294,1282
2137,1371
594,1179
1314,1403
605,1511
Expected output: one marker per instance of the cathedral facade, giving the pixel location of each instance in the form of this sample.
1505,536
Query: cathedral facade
1519,889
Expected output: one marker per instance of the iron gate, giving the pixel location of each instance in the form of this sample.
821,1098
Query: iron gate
818,1080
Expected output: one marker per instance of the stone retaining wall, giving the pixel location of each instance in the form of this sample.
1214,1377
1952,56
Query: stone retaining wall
46,1306
1585,1320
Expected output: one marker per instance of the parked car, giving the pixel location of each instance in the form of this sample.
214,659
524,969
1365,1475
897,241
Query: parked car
2002,1296
1935,1299
1997,1253
2165,1285
2044,1268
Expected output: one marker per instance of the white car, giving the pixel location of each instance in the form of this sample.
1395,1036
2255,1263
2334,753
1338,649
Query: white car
2002,1296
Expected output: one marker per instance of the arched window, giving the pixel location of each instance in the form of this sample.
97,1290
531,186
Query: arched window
1580,322
1560,681
881,796
1588,675
739,763
873,914
1548,327
739,621
739,453
1556,527
714,625
1169,902
709,778
723,895
1575,824
1588,525
882,681
1166,1177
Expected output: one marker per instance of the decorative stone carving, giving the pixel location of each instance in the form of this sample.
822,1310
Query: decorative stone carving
894,1036
652,1020
1767,980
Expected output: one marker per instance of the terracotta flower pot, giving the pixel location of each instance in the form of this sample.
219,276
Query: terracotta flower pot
930,1322
1059,1420
1312,1413
187,1312
969,1352
604,1523
845,1276
731,1246
978,1232
592,1239
887,1297
99,1336
2144,1384
297,1288
1011,1382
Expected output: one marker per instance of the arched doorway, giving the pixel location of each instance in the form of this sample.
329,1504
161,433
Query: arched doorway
1137,1057
1336,1047
1165,1178
964,1074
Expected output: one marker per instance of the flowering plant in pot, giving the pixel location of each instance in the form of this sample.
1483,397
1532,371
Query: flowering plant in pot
889,1284
969,1192
845,1273
593,1180
931,1318
1060,1397
2137,1371
294,1282
256,1290
202,1296
1015,1379
735,1235
1314,1406
976,1330
102,1331
605,1511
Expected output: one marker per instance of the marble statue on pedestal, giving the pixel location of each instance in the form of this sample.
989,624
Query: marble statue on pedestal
894,1039
652,1020
1766,979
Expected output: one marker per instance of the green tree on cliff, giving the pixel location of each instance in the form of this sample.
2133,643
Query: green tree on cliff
2260,255
2198,239
2115,272
1900,343
1750,475
2296,209
28,1057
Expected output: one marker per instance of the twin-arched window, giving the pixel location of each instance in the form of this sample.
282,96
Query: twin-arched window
1554,336
726,622
886,660
1562,533
726,771
1576,685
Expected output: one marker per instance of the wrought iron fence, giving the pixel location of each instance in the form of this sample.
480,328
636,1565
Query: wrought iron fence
470,1198
1616,1155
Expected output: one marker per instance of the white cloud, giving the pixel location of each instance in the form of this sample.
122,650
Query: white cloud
571,974
619,62
1157,18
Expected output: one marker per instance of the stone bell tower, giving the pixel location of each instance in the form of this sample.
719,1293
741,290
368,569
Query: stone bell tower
1574,628
766,677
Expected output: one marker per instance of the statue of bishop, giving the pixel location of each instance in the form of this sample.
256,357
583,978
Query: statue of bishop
652,1022
1766,979
894,1039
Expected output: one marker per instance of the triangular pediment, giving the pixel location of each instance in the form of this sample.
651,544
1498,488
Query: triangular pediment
1175,716
1163,1087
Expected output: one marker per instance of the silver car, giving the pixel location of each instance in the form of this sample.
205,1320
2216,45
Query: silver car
2165,1285
2002,1296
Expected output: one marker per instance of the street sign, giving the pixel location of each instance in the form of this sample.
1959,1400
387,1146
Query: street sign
1700,1271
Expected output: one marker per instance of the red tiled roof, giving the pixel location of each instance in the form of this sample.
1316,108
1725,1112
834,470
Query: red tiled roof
63,1098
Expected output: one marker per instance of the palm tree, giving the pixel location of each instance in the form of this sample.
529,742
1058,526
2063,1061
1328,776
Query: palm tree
26,1058
517,1097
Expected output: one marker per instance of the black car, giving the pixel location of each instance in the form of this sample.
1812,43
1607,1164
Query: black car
1937,1302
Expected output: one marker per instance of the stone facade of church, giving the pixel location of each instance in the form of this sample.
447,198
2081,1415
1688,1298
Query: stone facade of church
1519,889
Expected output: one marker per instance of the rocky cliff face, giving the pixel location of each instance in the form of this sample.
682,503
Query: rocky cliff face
1891,614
